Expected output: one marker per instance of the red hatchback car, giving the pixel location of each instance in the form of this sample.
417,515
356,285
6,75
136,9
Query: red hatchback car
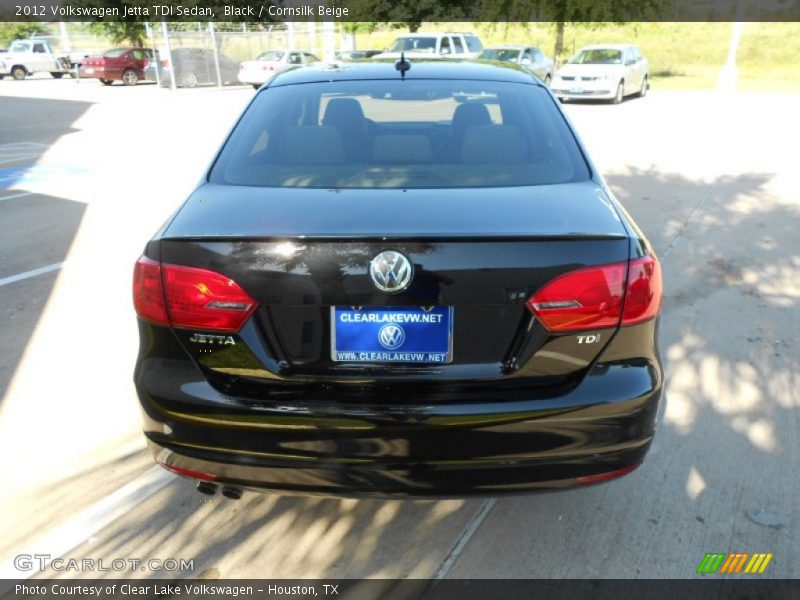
119,64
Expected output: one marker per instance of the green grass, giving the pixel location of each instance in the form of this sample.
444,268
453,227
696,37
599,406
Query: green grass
681,55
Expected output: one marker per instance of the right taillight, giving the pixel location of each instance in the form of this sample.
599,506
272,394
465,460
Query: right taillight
643,293
598,297
189,297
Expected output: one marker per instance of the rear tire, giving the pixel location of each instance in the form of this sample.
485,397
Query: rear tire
130,77
189,80
106,81
620,95
645,87
255,86
2,77
18,73
56,75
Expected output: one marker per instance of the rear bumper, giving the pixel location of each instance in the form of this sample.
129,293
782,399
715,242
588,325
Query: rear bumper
419,479
93,73
326,446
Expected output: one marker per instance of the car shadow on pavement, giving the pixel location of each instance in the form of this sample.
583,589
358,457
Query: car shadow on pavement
43,508
273,536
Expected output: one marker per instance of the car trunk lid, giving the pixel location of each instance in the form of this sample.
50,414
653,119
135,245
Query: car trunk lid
299,253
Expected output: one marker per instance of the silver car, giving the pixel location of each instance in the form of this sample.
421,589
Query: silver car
530,58
603,71
256,72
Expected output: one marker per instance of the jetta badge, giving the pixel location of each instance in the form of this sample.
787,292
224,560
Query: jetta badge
391,271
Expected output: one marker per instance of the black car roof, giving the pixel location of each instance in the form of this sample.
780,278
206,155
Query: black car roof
385,69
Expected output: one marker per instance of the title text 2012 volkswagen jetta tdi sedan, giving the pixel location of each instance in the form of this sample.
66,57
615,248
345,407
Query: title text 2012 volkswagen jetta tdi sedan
396,282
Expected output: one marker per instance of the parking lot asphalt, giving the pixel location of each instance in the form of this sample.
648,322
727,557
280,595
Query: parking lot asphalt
88,173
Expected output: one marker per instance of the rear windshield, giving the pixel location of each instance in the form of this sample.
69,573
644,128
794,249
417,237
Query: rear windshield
271,55
414,44
600,56
115,53
505,54
401,134
19,46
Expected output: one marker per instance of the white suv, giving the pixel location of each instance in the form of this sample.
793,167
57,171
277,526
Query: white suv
434,45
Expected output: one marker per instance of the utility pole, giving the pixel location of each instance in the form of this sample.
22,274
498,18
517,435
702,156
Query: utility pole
728,74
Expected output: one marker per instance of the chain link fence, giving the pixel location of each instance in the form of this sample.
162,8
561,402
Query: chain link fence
197,54
191,55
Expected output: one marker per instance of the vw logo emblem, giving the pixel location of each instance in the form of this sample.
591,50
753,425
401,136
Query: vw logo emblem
391,271
391,336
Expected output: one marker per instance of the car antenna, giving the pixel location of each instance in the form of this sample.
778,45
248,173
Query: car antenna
402,65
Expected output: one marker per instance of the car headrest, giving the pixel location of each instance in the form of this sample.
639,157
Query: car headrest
468,115
402,149
344,113
311,145
493,144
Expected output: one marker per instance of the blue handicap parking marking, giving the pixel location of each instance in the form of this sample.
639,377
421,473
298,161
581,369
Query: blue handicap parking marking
28,174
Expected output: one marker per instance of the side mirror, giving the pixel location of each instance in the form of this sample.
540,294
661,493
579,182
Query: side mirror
525,61
630,62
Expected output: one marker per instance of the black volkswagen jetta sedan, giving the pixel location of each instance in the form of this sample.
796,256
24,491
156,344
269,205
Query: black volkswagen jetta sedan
399,282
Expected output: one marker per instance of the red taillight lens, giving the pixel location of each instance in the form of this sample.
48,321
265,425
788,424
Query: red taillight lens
148,294
589,298
202,299
643,296
189,297
598,297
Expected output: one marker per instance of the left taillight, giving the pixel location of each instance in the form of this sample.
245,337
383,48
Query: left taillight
189,297
148,293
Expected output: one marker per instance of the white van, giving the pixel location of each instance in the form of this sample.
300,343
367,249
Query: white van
434,45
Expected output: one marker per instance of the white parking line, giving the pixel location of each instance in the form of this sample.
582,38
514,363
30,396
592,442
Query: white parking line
86,523
29,274
20,195
468,532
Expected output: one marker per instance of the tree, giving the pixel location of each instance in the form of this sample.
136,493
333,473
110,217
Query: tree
133,29
561,12
122,31
412,13
15,31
